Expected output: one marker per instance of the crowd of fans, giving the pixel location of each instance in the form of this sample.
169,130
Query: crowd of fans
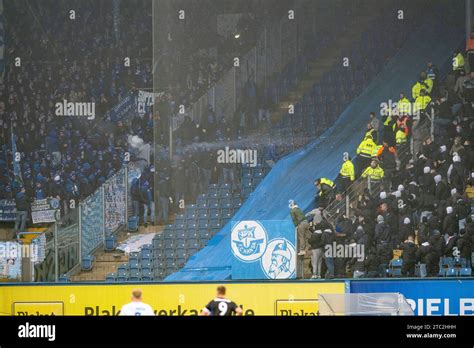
66,157
418,203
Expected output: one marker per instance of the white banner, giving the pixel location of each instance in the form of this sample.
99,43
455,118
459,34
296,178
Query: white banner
45,210
146,99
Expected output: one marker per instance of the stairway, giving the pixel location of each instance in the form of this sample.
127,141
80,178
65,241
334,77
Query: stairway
320,66
104,263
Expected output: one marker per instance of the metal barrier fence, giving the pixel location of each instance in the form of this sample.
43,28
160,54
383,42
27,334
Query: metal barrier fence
83,230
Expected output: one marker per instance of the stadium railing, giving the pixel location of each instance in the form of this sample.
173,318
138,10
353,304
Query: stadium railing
83,230
343,206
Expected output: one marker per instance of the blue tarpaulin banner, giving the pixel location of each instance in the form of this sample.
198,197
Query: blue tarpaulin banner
263,249
426,297
126,107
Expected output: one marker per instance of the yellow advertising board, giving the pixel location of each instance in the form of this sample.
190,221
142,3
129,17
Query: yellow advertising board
264,298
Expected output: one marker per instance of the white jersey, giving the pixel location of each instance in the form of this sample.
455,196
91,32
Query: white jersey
136,308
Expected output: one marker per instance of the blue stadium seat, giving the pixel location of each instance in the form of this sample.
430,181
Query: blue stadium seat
87,263
181,254
192,243
146,265
203,224
158,243
226,202
122,278
158,274
214,213
145,254
169,234
236,200
447,262
133,263
146,275
191,225
204,234
146,247
158,263
460,262
193,233
202,201
465,272
110,243
180,225
122,269
203,214
213,203
158,254
214,223
170,243
180,233
110,278
134,275
180,243
451,272
246,182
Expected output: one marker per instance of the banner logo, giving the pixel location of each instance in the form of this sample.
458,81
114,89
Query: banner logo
249,239
278,261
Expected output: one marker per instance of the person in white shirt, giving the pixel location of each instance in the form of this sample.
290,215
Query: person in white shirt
136,307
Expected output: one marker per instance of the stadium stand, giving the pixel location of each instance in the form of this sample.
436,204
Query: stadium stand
292,176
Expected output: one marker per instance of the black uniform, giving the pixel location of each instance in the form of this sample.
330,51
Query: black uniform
221,306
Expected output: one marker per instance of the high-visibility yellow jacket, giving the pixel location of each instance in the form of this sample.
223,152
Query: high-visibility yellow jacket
326,187
387,120
366,147
400,137
422,102
404,106
458,62
417,87
429,83
347,170
327,182
375,174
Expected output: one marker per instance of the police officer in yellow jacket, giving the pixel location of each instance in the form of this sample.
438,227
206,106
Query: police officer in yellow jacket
374,172
417,87
458,64
403,105
347,174
326,191
428,82
422,102
364,153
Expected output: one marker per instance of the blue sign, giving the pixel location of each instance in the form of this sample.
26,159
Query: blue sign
263,249
426,297
126,108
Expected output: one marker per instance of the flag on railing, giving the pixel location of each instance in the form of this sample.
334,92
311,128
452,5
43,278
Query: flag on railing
16,159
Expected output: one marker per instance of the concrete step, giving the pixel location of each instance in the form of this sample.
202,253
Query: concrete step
111,257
